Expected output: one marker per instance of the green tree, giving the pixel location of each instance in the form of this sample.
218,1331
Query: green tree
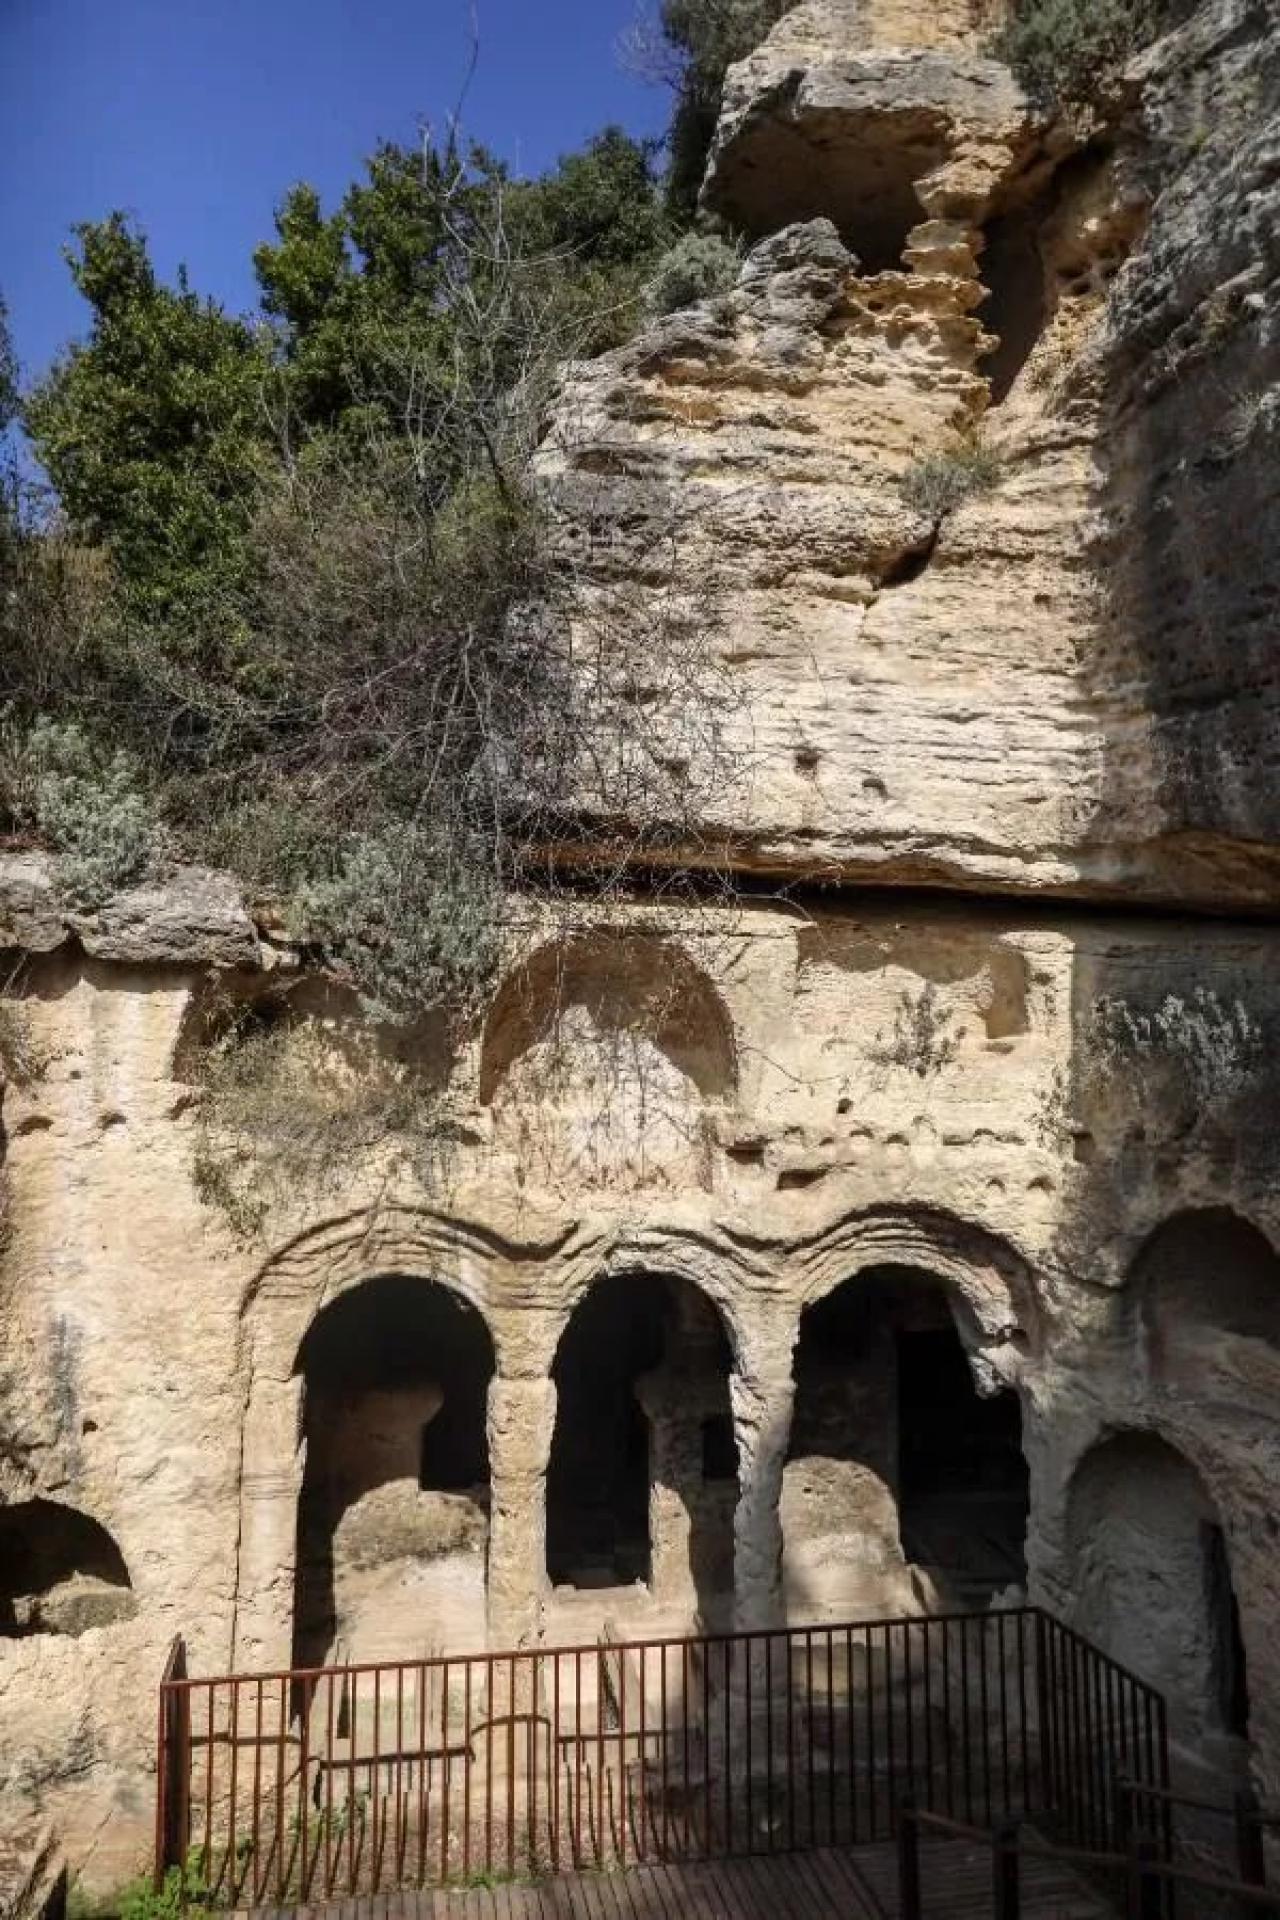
151,429
707,36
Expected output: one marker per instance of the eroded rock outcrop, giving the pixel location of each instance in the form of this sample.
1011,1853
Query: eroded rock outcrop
765,1224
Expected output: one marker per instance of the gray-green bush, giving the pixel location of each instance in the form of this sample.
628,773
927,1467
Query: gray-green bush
1069,52
698,266
936,484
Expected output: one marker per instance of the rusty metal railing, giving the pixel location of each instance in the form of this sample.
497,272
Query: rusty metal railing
288,1787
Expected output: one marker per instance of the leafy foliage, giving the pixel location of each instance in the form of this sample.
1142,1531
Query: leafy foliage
305,608
696,267
1070,51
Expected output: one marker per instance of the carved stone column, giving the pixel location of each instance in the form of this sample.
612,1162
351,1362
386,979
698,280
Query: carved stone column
272,1458
762,1392
522,1417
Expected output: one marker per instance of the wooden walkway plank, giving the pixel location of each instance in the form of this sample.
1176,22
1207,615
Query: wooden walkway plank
825,1884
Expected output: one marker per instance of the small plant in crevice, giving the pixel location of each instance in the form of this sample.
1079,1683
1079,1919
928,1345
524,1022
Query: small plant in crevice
935,484
925,1038
24,1059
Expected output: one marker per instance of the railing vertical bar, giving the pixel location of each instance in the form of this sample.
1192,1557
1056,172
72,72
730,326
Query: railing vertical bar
709,1813
791,1743
642,1737
468,1719
891,1760
623,1796
748,1648
512,1699
851,1744
831,1737
664,1757
1002,1671
531,1663
926,1686
446,1780
401,1827
1023,1730
602,1696
377,1814
304,1696
1104,1749
811,1756
233,1789
983,1638
965,1709
1080,1731
554,1763
768,1736
577,1759
206,1844
424,1767
490,1667
948,1723
873,1806
258,1889
352,1689
909,1710
728,1646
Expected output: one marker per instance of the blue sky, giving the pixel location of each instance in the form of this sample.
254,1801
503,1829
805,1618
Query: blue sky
196,115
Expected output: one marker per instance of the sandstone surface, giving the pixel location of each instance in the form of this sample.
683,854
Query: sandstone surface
766,1221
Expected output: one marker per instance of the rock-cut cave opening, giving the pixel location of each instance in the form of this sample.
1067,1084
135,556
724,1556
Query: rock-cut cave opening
895,1459
395,1377
642,1403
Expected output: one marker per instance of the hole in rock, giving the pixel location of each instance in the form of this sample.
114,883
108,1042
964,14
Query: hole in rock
1149,1568
1016,307
858,170
60,1572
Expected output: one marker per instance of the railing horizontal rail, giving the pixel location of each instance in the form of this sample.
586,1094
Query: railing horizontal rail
279,1788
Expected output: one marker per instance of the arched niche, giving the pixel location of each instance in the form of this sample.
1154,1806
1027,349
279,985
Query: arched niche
905,1476
60,1572
393,1514
1205,1281
1149,1571
601,1057
643,1475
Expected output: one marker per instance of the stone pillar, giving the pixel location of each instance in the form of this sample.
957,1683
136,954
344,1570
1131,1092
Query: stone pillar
272,1460
522,1416
762,1391
671,1406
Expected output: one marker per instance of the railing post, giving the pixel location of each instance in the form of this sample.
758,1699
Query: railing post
1146,1885
1006,1903
909,1906
1251,1852
173,1766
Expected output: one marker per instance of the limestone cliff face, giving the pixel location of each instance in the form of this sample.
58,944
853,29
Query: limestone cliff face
1055,700
1039,692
